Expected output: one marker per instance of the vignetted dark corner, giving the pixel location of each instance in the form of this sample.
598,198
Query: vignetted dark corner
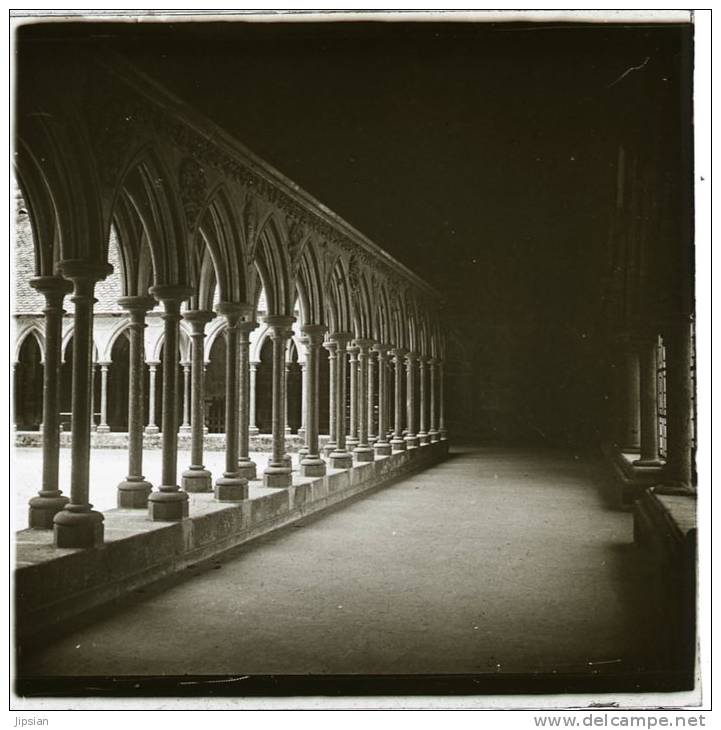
448,266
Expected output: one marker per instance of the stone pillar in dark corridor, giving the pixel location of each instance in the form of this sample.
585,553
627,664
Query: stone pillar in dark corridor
432,370
649,402
152,426
363,451
103,425
340,457
352,438
133,492
382,447
50,500
423,436
311,464
397,442
278,471
679,470
372,395
77,525
246,467
411,436
231,487
118,387
332,350
196,478
170,502
253,427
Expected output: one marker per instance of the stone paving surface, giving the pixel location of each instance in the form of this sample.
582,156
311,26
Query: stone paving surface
495,561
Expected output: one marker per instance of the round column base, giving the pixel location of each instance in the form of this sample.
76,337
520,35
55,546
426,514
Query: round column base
134,493
328,449
372,440
382,448
277,477
102,429
363,454
168,506
351,442
647,462
78,529
197,479
398,444
444,434
435,436
253,431
231,489
247,469
303,451
423,438
312,466
411,441
151,429
185,430
341,460
42,510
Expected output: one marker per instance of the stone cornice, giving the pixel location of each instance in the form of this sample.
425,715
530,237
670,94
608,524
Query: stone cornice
203,140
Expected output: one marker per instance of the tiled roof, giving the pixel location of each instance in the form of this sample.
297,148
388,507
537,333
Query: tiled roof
27,300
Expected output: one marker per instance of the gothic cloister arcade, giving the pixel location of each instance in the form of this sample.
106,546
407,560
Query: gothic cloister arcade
252,361
229,301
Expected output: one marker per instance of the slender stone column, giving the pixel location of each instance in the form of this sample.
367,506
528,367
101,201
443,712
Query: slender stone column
363,451
196,478
77,525
303,398
332,442
278,472
103,425
433,433
397,442
185,425
152,427
631,394
311,465
285,397
411,437
170,502
134,491
253,427
423,436
246,467
352,438
390,402
649,403
441,402
382,447
372,432
679,415
340,458
50,500
231,487
93,368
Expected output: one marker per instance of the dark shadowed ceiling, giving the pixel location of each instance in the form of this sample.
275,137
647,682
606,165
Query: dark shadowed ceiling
481,155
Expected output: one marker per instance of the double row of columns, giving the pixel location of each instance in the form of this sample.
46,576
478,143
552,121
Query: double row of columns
74,521
639,400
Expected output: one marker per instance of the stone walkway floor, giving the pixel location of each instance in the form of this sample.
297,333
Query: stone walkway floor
495,561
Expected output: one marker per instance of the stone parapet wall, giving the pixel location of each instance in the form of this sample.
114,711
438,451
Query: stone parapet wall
53,585
117,440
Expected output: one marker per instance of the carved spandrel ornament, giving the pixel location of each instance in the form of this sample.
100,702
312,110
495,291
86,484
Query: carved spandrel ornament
296,238
193,186
251,220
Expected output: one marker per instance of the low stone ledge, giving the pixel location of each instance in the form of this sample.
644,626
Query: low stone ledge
262,442
53,585
632,480
664,527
